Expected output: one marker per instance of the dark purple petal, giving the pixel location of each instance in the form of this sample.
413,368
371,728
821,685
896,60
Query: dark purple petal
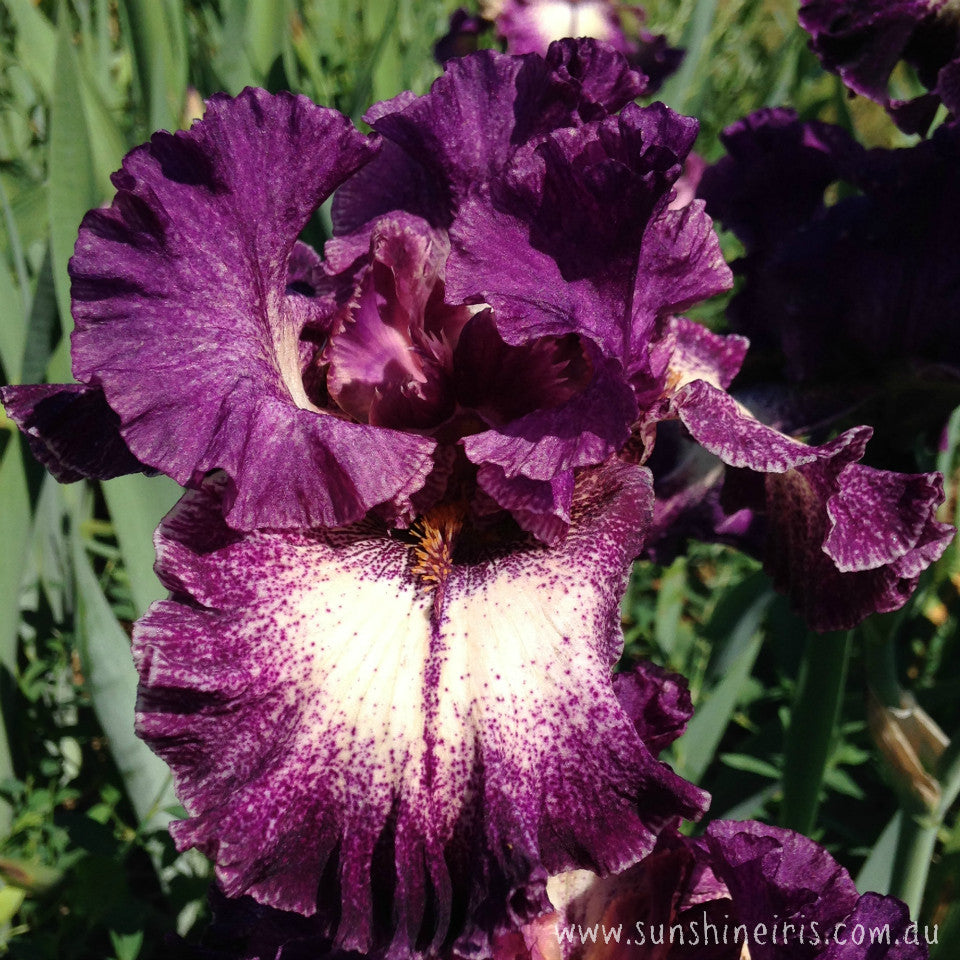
390,358
541,507
182,315
741,882
883,927
71,430
775,173
555,248
604,81
680,264
848,289
733,434
657,701
461,36
474,118
655,59
863,40
421,755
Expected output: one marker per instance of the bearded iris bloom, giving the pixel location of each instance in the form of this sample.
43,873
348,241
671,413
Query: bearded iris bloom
530,26
863,42
415,481
742,889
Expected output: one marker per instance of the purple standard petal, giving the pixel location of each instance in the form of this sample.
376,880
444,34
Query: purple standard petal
413,732
863,40
184,319
555,245
845,540
779,878
582,430
475,117
743,889
71,430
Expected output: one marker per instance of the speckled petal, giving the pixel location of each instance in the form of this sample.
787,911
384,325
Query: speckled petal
845,540
657,701
71,430
541,507
465,130
730,432
421,757
184,319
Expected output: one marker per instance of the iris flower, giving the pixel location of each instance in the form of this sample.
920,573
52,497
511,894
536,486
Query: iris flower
530,26
382,678
864,42
740,883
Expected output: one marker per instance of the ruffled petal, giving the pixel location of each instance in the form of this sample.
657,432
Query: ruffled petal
845,540
584,430
727,430
466,129
420,755
862,42
657,701
71,430
554,246
184,319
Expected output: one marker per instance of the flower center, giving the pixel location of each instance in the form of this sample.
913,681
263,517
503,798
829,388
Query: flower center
436,532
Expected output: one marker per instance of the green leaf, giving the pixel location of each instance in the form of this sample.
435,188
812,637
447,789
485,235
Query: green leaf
42,327
36,42
159,46
137,504
72,187
112,684
267,23
686,86
695,749
749,764
813,727
876,873
13,330
15,537
670,603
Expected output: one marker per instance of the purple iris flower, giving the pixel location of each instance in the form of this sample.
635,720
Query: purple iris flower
740,883
530,26
382,677
864,41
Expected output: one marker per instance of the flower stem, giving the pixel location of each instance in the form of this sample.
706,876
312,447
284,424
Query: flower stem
813,722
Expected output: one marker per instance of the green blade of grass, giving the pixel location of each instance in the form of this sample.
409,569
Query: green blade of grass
685,87
159,45
112,682
876,873
694,751
36,42
72,186
136,505
15,537
813,725
266,25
